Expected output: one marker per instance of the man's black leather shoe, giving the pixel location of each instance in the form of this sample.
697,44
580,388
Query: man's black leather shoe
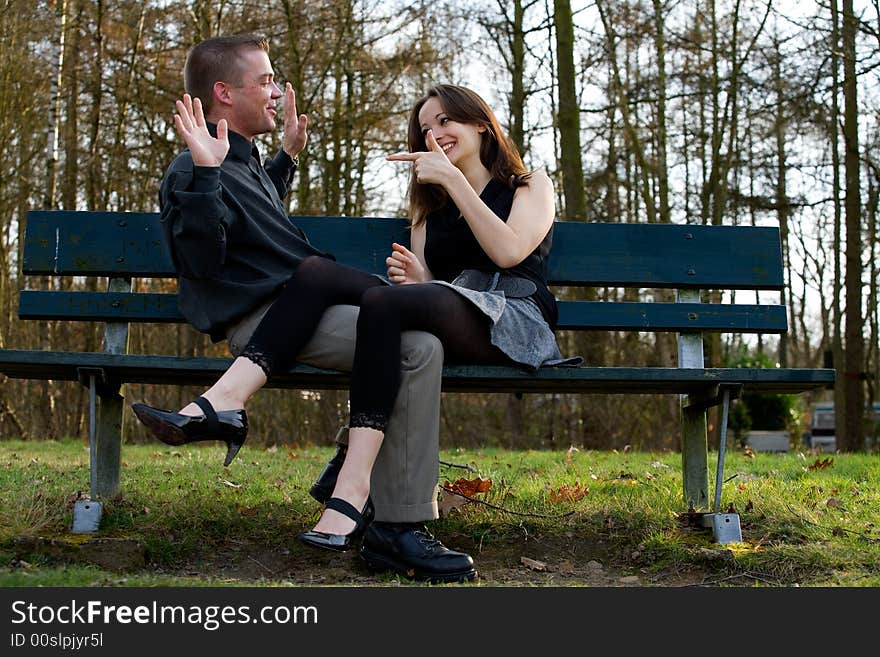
410,550
323,487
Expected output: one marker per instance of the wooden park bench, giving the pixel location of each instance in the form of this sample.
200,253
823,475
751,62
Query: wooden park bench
686,258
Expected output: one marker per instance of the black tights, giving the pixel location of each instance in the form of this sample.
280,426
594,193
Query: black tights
386,312
290,322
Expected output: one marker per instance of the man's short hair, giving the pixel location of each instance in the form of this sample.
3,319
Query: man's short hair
217,60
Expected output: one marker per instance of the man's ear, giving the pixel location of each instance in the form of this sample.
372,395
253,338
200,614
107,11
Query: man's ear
222,93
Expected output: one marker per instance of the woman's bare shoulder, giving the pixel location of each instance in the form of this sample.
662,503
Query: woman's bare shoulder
538,180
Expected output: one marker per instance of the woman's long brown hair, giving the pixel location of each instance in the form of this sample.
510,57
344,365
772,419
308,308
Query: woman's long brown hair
497,152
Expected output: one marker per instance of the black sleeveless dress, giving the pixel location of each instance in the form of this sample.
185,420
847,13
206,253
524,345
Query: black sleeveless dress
521,327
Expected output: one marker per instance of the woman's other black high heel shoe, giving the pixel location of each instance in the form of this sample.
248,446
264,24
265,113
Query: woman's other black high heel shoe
342,542
177,429
324,485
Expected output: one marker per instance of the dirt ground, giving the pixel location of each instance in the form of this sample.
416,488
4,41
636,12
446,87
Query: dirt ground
568,563
522,561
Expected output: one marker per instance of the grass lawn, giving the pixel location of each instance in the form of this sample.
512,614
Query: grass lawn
549,518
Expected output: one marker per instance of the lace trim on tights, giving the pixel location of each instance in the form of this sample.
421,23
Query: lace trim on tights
377,421
259,358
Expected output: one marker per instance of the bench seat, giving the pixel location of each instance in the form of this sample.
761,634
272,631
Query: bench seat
134,368
698,263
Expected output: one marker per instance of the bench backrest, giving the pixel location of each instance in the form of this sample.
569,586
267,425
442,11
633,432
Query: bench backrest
687,258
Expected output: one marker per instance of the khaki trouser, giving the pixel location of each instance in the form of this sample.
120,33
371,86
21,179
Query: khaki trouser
404,479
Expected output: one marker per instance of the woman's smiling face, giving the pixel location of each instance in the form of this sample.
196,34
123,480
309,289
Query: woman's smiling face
460,141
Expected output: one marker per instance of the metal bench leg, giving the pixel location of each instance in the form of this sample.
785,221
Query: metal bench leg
87,513
722,448
725,526
109,447
694,457
694,440
105,430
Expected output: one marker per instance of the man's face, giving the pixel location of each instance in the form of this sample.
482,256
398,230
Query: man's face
254,96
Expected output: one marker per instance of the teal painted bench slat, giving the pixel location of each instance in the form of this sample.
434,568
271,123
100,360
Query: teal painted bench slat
584,254
135,368
587,315
688,259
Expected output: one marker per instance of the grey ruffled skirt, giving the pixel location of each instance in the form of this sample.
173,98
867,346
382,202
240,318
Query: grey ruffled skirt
517,327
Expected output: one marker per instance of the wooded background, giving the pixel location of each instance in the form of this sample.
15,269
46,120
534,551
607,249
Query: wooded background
684,111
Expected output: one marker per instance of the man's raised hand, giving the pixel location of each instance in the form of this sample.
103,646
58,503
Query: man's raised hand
206,150
295,125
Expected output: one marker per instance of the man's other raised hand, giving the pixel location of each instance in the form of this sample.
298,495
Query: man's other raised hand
206,150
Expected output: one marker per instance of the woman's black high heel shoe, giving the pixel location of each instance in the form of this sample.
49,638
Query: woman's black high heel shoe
177,429
342,542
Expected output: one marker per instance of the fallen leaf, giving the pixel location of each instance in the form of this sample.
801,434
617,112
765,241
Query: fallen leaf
532,563
448,501
566,493
820,464
569,453
230,484
834,503
272,449
748,452
292,454
248,510
741,486
468,487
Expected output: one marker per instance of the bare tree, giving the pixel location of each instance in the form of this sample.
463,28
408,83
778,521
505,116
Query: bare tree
570,162
851,435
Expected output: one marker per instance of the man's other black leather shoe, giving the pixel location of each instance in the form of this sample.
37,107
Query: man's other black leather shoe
410,550
323,487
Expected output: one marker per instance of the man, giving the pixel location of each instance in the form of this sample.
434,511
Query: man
234,248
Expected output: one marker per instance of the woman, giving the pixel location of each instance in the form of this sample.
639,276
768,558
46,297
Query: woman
475,278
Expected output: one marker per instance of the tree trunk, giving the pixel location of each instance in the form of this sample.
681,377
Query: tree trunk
782,206
837,315
853,438
517,101
50,196
663,215
569,116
